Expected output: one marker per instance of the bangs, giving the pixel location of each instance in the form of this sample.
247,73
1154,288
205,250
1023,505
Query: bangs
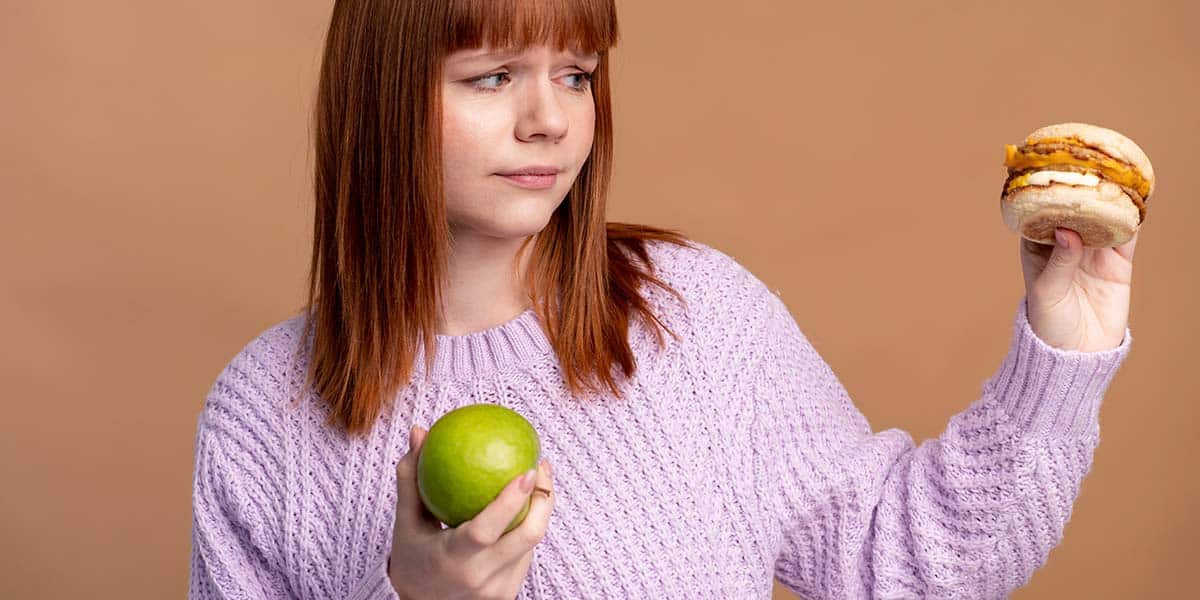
584,25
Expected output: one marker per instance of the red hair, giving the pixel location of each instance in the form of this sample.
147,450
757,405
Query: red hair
381,236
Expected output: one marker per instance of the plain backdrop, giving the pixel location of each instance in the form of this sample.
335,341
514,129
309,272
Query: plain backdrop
155,172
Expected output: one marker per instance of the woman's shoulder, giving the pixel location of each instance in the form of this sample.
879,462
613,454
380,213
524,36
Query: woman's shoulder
721,303
243,438
260,378
708,277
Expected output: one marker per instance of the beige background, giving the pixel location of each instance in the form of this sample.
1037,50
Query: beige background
155,177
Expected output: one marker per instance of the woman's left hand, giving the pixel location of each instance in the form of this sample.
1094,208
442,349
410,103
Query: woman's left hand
1078,298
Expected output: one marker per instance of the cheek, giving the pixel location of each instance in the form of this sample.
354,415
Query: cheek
586,124
455,149
465,138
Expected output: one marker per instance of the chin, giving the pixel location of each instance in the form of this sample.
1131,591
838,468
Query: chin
510,222
515,231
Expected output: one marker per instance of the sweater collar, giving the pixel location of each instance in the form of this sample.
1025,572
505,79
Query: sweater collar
517,341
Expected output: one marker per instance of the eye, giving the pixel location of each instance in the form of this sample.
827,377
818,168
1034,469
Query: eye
585,80
478,81
584,83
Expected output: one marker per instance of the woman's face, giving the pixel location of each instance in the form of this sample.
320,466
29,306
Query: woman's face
506,112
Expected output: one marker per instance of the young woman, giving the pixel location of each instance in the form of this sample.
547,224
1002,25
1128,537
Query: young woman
461,255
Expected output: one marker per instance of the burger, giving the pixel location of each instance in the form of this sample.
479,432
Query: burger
1081,177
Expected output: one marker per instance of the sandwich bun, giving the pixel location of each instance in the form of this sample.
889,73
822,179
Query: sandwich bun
1082,177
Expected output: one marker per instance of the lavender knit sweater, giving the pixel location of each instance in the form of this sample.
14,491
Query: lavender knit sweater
736,457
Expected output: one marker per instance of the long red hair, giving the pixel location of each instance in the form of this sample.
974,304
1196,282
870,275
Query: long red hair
381,238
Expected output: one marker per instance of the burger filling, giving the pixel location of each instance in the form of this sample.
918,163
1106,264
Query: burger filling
1069,161
1052,152
1048,177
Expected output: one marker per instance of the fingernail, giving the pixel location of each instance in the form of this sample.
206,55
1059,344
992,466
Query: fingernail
1061,238
527,480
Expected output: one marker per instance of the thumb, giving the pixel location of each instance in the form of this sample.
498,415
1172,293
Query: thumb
409,507
1055,279
407,467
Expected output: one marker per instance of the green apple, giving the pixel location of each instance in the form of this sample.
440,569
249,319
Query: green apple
469,455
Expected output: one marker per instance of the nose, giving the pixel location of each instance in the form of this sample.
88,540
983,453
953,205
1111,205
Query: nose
541,114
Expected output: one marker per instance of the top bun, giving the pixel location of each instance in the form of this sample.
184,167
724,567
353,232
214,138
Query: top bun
1110,142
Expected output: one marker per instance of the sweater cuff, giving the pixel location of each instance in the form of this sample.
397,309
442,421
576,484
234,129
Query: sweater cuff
1051,392
376,585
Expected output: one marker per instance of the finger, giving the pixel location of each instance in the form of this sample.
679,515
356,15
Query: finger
532,530
1033,259
1056,278
485,528
411,513
1126,249
407,467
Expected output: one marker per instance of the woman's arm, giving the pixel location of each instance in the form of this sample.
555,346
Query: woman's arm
238,486
233,552
970,514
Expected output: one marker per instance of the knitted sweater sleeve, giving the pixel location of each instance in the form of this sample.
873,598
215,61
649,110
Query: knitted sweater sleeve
970,514
238,486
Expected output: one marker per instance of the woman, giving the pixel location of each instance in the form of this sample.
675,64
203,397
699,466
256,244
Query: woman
703,463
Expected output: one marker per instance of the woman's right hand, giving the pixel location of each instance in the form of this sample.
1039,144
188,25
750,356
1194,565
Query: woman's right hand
475,560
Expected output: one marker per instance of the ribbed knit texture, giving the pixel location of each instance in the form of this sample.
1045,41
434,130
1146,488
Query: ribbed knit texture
736,457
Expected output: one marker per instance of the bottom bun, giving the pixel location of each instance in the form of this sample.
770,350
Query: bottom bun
1103,215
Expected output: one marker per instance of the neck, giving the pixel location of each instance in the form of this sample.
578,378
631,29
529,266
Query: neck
483,287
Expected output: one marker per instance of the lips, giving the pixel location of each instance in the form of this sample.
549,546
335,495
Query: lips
533,170
533,182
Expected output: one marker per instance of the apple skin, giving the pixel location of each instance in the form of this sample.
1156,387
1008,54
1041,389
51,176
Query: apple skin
469,455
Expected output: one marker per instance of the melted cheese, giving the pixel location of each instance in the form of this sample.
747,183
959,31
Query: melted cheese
1049,177
1107,168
